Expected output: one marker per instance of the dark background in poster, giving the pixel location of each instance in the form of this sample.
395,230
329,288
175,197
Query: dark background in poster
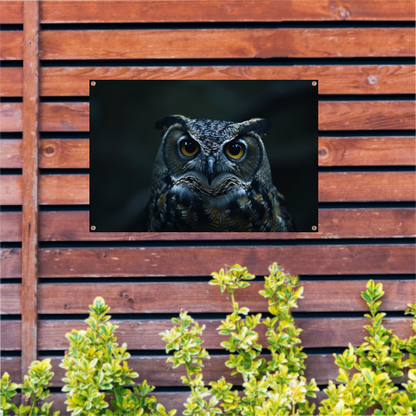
124,140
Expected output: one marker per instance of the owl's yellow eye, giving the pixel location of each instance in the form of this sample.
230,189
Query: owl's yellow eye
189,147
235,150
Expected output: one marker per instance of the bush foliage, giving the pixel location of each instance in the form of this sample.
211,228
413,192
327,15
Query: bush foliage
98,380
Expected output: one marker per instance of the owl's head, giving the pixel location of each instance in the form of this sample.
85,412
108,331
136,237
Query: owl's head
212,157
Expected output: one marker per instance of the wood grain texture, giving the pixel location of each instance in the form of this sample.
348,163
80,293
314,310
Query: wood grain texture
320,296
11,117
55,153
30,182
224,11
11,79
173,261
333,223
11,299
144,334
366,186
11,45
10,153
333,115
363,115
367,151
11,262
11,190
11,336
333,187
226,43
10,226
333,151
333,79
61,189
11,12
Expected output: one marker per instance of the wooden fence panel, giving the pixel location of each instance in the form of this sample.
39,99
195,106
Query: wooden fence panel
366,156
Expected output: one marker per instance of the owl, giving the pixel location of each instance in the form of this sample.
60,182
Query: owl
212,175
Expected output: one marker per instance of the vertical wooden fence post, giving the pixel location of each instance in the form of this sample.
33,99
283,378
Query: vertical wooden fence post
30,181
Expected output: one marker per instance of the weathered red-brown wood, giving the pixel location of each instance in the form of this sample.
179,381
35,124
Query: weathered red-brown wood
11,117
333,187
367,186
30,182
339,79
367,151
224,11
11,336
64,153
10,153
11,79
333,223
11,12
11,299
11,190
226,43
333,115
144,334
11,45
11,262
333,151
11,226
201,261
321,296
62,189
387,115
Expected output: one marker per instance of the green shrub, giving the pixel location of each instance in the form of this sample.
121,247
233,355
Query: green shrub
98,380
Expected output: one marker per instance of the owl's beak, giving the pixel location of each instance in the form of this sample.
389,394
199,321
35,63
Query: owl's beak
210,169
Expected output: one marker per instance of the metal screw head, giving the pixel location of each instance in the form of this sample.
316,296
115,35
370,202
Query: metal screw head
93,83
93,227
314,227
314,83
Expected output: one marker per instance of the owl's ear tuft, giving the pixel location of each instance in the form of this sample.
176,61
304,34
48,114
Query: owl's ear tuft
257,125
170,121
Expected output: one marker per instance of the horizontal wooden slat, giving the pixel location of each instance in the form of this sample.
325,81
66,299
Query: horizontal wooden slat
64,11
172,261
367,151
56,189
11,226
11,190
64,153
144,334
363,115
226,43
11,12
11,335
10,153
11,45
333,223
333,187
333,151
333,115
11,262
11,299
366,186
11,80
12,366
321,296
11,117
333,79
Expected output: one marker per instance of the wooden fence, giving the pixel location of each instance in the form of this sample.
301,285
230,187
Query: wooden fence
52,266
